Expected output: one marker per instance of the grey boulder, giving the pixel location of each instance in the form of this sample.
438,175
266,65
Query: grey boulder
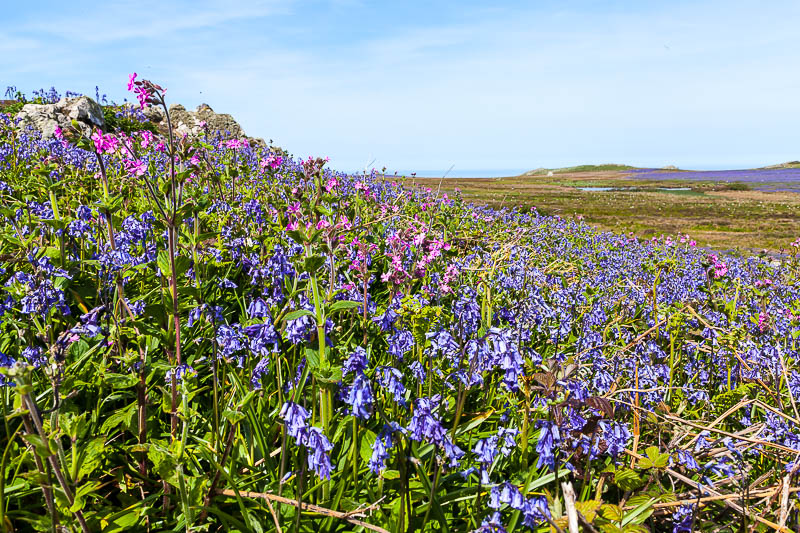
47,117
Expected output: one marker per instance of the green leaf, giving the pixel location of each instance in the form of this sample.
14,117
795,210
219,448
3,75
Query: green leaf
122,419
163,263
313,263
41,447
312,358
611,512
640,514
93,453
627,479
368,438
345,304
294,315
233,416
120,381
654,459
164,464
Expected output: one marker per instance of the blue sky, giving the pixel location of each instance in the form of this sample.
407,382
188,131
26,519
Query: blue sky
421,86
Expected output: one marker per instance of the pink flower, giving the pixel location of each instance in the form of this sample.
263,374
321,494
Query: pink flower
142,95
763,322
97,137
293,225
272,161
146,138
131,80
322,224
135,167
235,143
720,268
294,209
58,133
331,185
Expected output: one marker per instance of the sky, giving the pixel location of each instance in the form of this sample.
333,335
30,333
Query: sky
423,86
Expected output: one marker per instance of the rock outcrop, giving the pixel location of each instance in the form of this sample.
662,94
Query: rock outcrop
88,114
47,117
193,123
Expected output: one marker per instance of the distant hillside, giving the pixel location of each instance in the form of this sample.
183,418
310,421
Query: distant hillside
579,168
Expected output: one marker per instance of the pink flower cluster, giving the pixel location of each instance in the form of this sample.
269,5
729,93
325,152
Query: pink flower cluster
331,185
135,167
233,144
763,283
720,268
105,144
59,134
144,90
763,322
450,275
272,161
362,256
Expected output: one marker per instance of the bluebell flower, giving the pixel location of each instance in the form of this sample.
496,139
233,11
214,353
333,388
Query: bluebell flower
492,524
194,315
317,449
380,449
258,308
400,344
231,340
34,356
425,427
137,307
486,450
548,443
225,283
6,361
179,372
386,320
259,371
616,436
391,380
294,417
682,519
356,362
535,511
359,397
263,338
299,329
686,459
417,370
467,311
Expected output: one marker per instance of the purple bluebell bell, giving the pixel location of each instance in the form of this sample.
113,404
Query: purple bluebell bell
359,397
294,417
390,379
356,362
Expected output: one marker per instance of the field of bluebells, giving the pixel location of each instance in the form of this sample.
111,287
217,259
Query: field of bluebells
199,335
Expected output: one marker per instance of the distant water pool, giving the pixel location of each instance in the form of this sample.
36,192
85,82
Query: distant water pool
606,189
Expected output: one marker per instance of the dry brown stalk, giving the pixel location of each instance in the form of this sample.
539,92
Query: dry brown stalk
303,507
706,499
678,420
727,502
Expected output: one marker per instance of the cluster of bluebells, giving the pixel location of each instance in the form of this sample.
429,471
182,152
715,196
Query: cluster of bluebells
315,442
428,323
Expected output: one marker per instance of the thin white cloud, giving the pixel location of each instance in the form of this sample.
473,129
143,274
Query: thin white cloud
148,19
